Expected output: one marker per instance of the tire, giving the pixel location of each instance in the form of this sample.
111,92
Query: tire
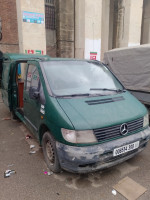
50,152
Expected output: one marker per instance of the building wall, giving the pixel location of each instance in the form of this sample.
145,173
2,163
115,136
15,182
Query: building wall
136,9
9,42
99,26
127,23
32,37
82,27
50,25
51,42
93,19
107,26
145,31
121,23
65,28
79,29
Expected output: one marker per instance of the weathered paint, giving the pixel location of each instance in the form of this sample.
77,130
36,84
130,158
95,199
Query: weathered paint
96,157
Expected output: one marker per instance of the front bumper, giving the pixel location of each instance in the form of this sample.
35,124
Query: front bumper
96,157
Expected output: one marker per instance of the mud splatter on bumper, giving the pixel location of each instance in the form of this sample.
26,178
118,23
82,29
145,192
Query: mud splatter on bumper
96,157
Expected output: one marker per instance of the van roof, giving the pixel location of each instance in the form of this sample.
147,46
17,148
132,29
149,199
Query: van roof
15,56
18,56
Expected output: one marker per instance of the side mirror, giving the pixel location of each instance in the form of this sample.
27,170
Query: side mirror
34,93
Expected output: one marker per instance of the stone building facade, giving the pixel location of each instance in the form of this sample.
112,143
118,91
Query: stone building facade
73,28
9,26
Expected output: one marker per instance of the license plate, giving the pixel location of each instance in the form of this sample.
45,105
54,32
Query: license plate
126,148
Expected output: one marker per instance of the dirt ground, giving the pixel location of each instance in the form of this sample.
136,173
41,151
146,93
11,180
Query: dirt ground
31,182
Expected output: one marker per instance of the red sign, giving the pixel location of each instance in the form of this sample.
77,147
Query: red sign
93,55
30,51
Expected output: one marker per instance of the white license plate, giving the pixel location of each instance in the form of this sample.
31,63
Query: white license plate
126,148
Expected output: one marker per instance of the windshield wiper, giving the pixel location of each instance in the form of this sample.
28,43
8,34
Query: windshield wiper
107,89
74,95
79,95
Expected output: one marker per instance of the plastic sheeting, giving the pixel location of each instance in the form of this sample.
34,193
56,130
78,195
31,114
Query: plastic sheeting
131,66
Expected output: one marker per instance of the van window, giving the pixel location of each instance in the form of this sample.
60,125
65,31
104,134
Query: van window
32,77
80,77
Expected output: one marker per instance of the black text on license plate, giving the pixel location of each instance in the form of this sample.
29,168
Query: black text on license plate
125,148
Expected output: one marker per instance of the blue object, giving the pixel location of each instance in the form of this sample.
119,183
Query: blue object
32,17
19,69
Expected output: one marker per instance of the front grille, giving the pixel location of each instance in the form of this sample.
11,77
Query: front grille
111,132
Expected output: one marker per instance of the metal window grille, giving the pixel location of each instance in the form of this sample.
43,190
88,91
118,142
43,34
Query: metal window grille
50,1
50,16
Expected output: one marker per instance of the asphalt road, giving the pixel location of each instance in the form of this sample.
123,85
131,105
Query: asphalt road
30,182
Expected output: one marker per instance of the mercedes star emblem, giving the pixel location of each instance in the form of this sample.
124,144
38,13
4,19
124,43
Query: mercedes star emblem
124,129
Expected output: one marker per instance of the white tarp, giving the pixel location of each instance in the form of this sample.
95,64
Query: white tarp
131,66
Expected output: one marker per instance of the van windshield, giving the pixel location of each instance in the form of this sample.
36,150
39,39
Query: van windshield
80,78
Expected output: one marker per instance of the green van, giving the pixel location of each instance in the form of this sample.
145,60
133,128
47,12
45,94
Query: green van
81,114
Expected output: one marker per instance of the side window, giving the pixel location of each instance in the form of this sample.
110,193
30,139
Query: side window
5,75
32,78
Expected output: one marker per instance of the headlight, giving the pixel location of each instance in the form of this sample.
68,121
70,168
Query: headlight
83,137
146,120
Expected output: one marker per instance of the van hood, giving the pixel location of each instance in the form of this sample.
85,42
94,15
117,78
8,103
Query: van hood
101,111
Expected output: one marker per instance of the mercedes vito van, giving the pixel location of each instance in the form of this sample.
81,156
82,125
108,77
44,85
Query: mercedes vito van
81,114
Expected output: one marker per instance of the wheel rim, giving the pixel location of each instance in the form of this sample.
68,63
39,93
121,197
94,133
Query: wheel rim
50,152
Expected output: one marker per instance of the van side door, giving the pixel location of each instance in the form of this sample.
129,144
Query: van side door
32,103
6,84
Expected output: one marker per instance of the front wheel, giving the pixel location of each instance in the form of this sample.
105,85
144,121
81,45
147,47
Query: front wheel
50,153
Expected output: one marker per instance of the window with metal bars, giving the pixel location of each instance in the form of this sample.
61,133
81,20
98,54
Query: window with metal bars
50,16
49,1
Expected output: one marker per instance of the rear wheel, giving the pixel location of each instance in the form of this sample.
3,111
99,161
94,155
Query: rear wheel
50,153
